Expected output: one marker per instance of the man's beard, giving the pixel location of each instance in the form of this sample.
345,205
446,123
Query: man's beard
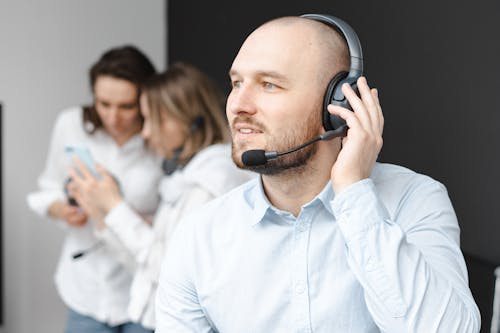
293,138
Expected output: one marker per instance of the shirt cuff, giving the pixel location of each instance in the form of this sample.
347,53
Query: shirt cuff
115,217
104,234
40,201
358,209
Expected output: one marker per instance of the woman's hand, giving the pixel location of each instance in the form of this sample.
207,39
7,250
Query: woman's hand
97,196
73,216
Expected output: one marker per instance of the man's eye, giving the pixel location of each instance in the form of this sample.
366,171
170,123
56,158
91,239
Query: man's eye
269,85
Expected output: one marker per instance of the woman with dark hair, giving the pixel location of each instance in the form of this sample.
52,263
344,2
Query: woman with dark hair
185,124
90,279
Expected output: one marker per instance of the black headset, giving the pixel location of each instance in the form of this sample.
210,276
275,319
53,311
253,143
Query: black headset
333,94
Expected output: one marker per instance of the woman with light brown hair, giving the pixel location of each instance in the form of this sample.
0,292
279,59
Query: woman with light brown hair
185,124
186,103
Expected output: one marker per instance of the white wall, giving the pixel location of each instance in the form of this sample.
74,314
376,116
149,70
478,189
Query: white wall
46,48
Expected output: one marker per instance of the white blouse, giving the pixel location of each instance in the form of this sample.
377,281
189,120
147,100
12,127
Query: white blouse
96,284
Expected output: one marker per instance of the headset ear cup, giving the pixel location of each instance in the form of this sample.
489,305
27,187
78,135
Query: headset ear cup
196,124
332,122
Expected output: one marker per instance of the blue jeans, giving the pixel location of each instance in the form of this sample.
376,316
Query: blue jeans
78,323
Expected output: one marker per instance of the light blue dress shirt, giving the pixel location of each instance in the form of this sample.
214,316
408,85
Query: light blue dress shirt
382,256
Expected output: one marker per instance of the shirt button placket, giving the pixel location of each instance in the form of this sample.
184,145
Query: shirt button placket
301,292
300,287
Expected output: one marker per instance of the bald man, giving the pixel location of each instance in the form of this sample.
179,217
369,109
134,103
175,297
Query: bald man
326,239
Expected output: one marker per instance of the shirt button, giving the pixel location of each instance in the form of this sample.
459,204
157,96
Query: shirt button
303,227
300,287
370,265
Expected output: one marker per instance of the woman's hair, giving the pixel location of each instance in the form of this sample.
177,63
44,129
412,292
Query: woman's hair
126,63
191,97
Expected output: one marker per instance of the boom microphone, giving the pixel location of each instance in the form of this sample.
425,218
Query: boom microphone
257,157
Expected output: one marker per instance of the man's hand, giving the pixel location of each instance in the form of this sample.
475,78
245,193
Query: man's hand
363,142
72,215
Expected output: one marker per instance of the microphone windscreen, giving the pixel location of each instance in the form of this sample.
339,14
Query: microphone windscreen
254,157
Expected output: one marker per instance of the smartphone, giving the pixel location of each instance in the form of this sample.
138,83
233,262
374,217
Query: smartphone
83,155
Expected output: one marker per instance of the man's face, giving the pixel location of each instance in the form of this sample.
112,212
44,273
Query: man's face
276,97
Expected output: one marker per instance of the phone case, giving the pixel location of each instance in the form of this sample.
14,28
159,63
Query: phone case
83,154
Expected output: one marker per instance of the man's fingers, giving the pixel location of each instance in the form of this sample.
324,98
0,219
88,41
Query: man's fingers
357,104
380,115
350,118
369,102
365,93
366,106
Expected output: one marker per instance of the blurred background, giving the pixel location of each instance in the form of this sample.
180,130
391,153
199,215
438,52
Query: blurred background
46,50
435,64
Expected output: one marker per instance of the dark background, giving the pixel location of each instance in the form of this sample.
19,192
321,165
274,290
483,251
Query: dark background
436,67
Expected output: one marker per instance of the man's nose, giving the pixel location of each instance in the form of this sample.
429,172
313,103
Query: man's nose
242,100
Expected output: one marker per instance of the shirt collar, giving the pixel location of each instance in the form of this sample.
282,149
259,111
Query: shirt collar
136,141
257,200
260,205
325,197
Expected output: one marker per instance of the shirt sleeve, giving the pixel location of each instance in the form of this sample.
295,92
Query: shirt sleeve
131,230
118,250
51,180
177,305
408,262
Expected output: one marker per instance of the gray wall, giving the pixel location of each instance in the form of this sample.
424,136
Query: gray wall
46,48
